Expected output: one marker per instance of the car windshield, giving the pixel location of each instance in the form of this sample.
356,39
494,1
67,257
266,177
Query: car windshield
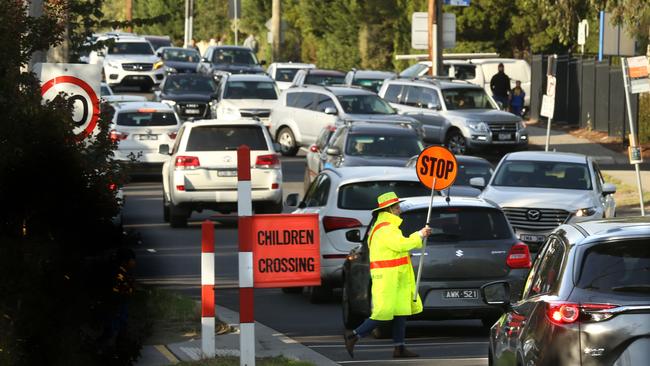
250,90
313,79
384,145
543,174
224,138
105,90
285,74
459,224
370,84
464,72
130,48
620,266
413,71
181,55
365,104
469,98
183,84
234,56
363,195
469,170
146,119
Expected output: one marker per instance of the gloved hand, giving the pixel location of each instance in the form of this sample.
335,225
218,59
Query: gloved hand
424,232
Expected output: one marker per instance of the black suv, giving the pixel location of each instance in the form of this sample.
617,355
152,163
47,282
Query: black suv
218,60
191,95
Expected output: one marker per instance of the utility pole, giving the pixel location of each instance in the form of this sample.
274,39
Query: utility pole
435,36
189,22
129,14
276,28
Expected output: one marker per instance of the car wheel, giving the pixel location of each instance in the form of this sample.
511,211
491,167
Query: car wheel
351,320
292,290
177,216
165,209
319,294
456,142
287,142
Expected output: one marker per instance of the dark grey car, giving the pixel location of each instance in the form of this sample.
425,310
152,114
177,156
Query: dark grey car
472,244
586,300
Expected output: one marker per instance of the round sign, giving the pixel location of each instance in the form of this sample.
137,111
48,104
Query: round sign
436,162
82,97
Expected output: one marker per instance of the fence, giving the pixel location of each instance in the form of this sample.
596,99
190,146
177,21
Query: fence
589,94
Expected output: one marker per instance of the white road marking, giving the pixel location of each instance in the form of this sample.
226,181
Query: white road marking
151,250
410,345
285,339
412,360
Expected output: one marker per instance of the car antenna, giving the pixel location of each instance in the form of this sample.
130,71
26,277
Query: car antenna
448,199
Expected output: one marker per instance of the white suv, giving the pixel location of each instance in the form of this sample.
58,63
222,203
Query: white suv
284,72
247,95
540,191
202,171
129,61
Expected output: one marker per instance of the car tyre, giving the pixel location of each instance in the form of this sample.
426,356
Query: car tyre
177,216
456,142
319,294
351,320
165,209
287,141
292,290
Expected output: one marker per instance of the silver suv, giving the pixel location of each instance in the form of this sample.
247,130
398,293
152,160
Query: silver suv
302,112
460,115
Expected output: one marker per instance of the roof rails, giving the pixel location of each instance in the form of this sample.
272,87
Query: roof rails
409,124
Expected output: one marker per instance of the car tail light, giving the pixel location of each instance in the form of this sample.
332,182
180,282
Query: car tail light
187,162
172,135
335,223
112,187
118,136
518,256
275,186
313,148
180,188
560,312
267,161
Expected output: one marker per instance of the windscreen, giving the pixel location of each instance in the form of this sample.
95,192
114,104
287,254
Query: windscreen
222,138
312,79
370,84
181,55
621,266
234,56
465,72
413,71
183,84
469,170
250,90
384,145
365,104
459,224
363,195
470,98
130,48
543,174
285,74
146,119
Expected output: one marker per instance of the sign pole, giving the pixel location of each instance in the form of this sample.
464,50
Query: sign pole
207,289
424,244
632,132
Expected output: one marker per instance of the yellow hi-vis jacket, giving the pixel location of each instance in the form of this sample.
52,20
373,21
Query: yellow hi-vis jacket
393,281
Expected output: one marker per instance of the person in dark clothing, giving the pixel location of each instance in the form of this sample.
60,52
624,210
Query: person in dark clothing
500,86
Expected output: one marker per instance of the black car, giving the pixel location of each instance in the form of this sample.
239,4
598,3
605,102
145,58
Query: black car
192,95
586,299
472,244
219,60
179,60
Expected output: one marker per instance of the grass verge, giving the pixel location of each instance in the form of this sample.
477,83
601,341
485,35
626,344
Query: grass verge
626,195
234,361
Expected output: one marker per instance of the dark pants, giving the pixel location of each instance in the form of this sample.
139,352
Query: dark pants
502,99
399,328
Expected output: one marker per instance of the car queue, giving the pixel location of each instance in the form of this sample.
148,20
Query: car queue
517,246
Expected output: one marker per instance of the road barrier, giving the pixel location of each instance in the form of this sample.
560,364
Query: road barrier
207,289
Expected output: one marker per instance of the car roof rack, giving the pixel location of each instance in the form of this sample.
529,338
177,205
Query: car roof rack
409,124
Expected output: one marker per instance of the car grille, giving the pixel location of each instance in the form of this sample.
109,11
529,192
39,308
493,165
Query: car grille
261,113
501,130
535,219
137,67
184,107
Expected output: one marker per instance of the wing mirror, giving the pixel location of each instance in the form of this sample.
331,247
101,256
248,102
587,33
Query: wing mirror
292,200
477,182
277,147
353,236
334,151
263,62
163,149
203,59
330,110
496,293
435,106
608,188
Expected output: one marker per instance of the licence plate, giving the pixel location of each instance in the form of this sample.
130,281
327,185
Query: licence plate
505,136
192,111
148,137
227,173
460,294
532,238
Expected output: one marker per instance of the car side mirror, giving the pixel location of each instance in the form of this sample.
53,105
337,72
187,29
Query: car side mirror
163,149
353,236
608,188
159,54
496,293
477,182
292,200
330,110
334,151
277,147
263,62
435,106
203,59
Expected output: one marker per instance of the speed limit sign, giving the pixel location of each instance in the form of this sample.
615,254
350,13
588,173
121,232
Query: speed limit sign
81,84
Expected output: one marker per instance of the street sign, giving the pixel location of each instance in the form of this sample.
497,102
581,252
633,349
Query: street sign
457,2
634,153
436,162
234,9
81,84
583,32
420,31
448,30
286,250
616,40
637,71
548,106
550,85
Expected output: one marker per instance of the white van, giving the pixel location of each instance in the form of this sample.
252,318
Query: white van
479,72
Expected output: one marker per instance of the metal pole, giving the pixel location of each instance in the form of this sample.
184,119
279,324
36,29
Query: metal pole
430,30
601,35
186,41
632,132
129,14
548,133
236,25
190,23
276,30
424,243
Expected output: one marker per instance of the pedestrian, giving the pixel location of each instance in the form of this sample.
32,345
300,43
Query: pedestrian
193,45
500,86
393,281
517,95
251,43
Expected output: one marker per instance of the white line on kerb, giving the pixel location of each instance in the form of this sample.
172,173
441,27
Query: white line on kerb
390,344
414,360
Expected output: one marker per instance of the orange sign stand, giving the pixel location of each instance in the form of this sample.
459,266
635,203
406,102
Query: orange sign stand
286,250
437,164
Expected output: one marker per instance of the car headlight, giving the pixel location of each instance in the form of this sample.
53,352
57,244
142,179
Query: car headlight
170,102
158,65
213,102
170,70
479,126
586,212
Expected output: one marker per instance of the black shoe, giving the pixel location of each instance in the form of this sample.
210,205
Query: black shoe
402,352
350,340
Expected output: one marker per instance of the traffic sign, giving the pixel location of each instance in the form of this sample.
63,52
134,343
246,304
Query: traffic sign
550,85
81,84
436,162
637,71
420,31
457,2
548,106
286,250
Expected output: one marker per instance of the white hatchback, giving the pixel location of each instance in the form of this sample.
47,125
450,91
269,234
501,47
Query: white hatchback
202,171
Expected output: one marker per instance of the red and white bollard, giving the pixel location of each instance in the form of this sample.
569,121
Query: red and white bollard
245,212
207,290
